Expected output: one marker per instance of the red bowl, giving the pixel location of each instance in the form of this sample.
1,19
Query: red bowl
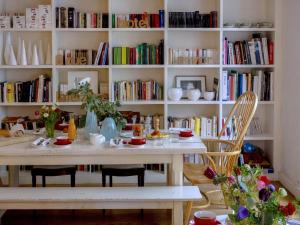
186,133
62,140
138,141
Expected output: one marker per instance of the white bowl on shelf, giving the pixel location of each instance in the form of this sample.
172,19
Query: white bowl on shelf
193,94
175,94
209,95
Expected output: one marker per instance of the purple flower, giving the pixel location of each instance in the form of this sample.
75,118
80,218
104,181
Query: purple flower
271,187
260,185
264,194
231,179
210,173
243,213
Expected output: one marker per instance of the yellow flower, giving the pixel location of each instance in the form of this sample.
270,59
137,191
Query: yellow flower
53,108
46,115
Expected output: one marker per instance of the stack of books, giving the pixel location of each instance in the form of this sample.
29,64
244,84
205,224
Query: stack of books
38,90
137,90
193,56
193,20
144,54
257,51
71,18
203,126
235,84
145,20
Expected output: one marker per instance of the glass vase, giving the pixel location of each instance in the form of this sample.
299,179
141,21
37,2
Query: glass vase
50,129
91,125
109,128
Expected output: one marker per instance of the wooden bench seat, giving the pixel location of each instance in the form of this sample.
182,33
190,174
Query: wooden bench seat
97,198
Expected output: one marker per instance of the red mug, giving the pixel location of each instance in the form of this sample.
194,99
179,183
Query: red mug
62,140
205,218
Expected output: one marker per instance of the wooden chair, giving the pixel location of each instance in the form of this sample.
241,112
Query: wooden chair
222,155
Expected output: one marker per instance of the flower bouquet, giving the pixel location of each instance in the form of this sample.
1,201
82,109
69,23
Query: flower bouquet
254,200
49,115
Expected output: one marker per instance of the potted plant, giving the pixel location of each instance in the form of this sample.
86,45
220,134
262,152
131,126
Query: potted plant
254,200
49,115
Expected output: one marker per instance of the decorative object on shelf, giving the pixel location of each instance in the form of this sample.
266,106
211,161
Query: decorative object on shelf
216,87
193,94
29,53
23,57
252,197
41,53
72,131
191,82
209,95
48,55
35,57
77,78
5,20
175,94
12,58
255,127
19,21
1,48
19,50
7,48
49,115
109,128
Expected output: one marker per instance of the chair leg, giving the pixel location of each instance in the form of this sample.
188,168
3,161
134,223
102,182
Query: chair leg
110,181
44,181
103,179
139,180
33,181
73,177
142,180
187,212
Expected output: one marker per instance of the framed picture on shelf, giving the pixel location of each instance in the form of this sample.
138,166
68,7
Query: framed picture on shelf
76,78
191,82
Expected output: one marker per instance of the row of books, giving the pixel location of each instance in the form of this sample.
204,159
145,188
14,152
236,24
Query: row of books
193,56
235,84
69,17
34,18
256,51
145,20
193,19
142,54
83,56
203,126
38,90
137,90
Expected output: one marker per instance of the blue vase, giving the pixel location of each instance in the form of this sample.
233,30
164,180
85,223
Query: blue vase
109,128
91,125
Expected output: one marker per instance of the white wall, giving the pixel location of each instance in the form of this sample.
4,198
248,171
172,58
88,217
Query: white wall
290,105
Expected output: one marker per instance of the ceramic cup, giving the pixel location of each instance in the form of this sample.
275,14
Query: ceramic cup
96,139
175,94
62,140
193,94
205,218
209,95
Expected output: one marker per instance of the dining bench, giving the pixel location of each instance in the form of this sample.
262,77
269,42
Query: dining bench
164,197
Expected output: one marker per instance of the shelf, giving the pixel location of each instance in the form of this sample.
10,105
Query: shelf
187,102
137,29
81,67
26,104
194,66
251,29
137,66
141,102
68,103
195,29
262,137
259,102
81,29
25,30
248,66
26,67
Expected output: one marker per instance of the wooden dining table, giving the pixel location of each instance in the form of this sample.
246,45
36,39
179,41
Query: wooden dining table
81,152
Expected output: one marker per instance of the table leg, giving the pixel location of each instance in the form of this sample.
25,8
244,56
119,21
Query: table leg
169,175
177,180
13,176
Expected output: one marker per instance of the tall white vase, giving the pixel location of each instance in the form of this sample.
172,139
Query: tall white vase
35,57
1,48
41,53
29,52
7,48
23,60
48,55
19,52
12,57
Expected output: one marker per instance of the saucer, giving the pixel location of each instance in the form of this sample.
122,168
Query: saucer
62,144
186,136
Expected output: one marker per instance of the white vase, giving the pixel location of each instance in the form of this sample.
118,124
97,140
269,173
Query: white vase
35,58
41,53
23,60
48,55
193,94
29,52
1,47
175,94
7,48
209,95
19,52
12,57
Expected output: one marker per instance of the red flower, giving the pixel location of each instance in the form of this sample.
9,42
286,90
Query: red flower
210,173
287,210
265,179
237,171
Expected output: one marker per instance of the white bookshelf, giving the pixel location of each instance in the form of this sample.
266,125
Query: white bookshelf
231,11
